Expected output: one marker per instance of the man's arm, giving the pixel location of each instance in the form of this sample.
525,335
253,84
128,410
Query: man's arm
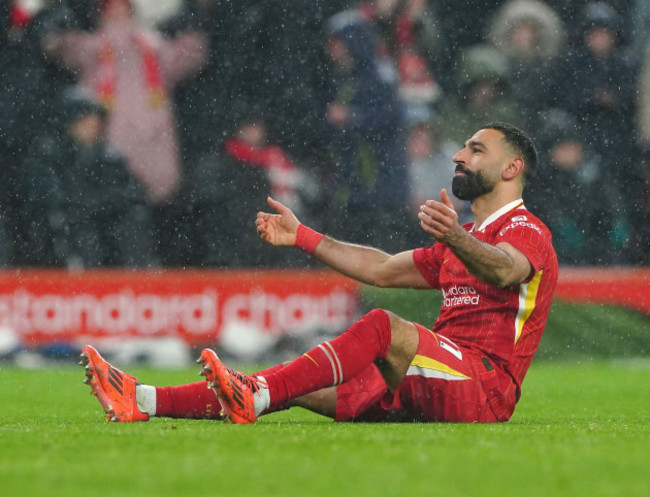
499,265
365,264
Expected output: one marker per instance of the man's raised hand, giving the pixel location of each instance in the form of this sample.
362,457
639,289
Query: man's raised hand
439,219
277,229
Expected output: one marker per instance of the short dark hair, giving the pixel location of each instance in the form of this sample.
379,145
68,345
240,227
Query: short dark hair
520,143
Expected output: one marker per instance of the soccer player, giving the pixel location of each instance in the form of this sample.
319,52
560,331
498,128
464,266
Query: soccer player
497,276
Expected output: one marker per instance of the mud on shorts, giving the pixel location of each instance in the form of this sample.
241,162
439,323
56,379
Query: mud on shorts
444,383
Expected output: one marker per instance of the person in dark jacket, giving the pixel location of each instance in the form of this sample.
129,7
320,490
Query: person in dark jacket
532,37
482,94
86,210
586,216
28,80
267,53
365,127
595,83
226,189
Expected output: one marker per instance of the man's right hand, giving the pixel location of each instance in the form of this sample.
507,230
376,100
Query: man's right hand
277,229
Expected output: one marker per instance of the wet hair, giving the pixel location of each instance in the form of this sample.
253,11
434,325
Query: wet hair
520,143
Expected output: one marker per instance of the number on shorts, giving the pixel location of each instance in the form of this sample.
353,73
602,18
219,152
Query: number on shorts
450,347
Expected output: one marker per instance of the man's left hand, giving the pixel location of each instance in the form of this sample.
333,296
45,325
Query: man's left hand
439,219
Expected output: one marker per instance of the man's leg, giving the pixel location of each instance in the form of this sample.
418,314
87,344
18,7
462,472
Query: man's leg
348,400
403,347
189,401
124,399
379,337
404,344
321,402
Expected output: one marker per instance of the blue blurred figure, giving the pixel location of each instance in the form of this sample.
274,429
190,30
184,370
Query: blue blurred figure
365,129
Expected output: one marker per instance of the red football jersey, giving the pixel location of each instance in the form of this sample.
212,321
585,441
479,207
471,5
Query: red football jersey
505,324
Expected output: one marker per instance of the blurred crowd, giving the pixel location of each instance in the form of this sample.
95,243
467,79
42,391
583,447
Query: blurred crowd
131,139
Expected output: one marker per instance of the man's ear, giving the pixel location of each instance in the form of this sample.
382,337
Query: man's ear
514,168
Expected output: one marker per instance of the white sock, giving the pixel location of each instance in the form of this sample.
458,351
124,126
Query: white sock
262,397
145,398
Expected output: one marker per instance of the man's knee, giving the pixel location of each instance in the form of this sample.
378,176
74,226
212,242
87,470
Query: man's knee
389,321
404,335
404,341
377,315
374,328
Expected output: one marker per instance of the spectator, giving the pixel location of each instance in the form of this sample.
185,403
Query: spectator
643,103
463,27
531,35
640,238
571,11
482,94
410,37
364,126
229,185
289,53
27,82
86,210
586,216
431,167
207,99
640,16
131,70
250,146
595,84
639,246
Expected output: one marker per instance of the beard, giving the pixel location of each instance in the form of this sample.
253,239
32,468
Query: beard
471,185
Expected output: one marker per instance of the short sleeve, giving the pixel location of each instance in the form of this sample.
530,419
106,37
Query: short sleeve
428,260
530,237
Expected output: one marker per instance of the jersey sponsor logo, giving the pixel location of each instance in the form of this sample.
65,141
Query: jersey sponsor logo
518,224
460,295
519,218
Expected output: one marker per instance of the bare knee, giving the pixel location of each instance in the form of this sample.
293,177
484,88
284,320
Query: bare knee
404,341
404,333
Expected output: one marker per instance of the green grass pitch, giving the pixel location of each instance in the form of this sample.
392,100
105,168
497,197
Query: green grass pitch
581,429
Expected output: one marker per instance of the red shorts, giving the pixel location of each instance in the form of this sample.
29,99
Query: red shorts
445,383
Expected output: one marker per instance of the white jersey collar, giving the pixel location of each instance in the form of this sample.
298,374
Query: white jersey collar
515,204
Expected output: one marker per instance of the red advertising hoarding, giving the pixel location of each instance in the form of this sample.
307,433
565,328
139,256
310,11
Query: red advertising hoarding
44,306
202,307
625,287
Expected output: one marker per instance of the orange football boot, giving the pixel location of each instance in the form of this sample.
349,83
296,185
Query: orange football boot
234,389
114,389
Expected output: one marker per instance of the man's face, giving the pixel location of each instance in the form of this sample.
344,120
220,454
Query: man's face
478,164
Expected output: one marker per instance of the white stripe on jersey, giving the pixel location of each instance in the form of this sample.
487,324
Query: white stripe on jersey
434,373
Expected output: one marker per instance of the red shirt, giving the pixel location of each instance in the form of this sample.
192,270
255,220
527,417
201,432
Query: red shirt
505,324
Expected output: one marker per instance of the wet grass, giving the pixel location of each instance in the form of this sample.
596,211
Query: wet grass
582,428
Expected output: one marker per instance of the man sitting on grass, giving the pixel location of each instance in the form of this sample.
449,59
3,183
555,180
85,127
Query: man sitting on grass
497,276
